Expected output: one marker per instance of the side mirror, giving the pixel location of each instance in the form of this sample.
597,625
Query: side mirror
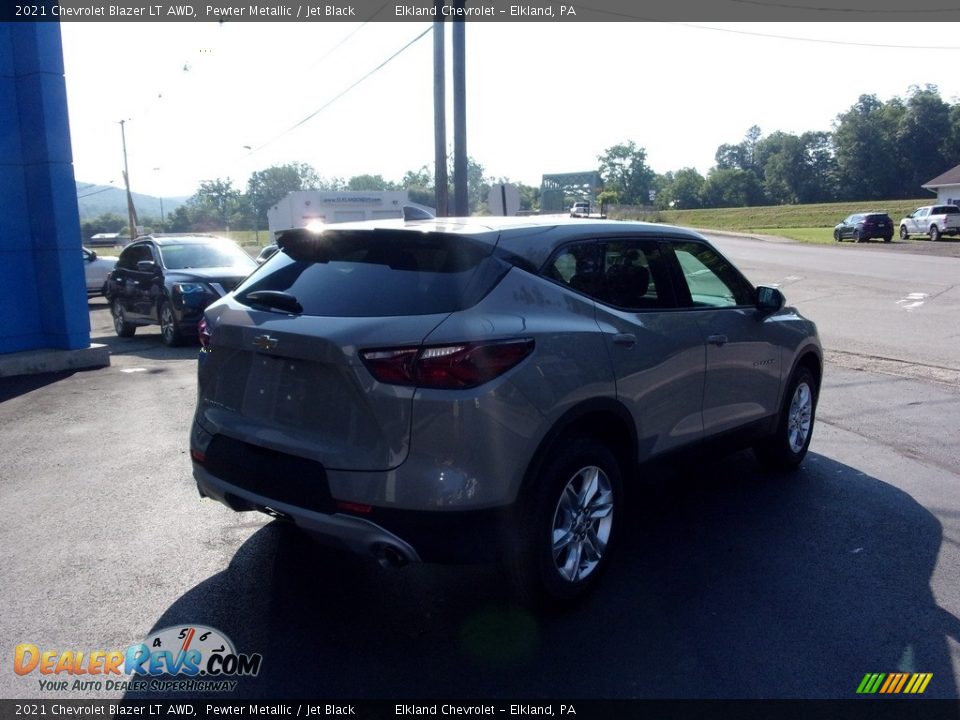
769,299
92,256
146,266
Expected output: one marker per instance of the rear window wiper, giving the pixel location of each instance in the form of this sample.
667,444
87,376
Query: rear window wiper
275,299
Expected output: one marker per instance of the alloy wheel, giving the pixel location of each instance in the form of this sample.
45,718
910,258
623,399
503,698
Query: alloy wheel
582,523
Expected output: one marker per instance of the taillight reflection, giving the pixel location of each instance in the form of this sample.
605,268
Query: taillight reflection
451,367
204,332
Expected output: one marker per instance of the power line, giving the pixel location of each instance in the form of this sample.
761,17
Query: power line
773,36
863,11
340,94
850,43
95,192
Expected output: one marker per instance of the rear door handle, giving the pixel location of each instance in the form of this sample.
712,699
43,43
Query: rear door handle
717,340
625,339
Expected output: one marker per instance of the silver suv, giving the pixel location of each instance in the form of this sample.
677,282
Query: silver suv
457,390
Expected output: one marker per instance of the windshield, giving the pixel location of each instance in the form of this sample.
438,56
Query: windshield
181,256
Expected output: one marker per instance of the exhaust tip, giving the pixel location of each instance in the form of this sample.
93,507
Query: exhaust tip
389,556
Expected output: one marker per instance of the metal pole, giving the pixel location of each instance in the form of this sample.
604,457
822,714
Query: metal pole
126,179
440,180
460,188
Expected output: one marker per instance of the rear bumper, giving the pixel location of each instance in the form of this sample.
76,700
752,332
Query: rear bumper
339,530
391,536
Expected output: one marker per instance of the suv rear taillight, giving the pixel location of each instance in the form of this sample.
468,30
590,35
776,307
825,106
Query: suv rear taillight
204,333
449,367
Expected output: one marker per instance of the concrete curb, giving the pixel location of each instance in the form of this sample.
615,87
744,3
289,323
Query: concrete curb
32,362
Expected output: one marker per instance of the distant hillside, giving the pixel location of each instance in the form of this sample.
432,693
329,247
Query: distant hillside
95,200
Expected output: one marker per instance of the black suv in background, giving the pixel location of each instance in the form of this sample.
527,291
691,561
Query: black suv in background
864,226
168,280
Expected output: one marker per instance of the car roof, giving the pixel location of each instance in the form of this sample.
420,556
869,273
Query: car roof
182,238
532,238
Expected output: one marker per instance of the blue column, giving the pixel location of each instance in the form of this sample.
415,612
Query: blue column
43,302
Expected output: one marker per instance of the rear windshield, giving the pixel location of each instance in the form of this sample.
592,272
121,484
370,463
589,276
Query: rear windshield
379,274
878,218
946,210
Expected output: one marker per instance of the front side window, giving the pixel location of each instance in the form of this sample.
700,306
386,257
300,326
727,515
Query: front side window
711,280
134,254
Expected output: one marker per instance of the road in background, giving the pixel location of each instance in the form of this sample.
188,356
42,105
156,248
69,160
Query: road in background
870,301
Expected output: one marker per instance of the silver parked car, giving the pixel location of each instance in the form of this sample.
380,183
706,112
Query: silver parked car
96,268
454,390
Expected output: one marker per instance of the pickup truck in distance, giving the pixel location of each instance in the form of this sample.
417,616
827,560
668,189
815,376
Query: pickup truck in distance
932,220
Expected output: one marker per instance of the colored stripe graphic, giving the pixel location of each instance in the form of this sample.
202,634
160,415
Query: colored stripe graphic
894,683
870,683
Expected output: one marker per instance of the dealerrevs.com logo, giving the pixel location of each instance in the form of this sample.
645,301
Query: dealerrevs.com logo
192,658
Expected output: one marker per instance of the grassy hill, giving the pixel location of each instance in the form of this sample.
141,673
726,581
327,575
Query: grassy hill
96,200
810,223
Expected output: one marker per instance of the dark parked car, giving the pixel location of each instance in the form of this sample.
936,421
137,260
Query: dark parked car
864,226
460,390
168,280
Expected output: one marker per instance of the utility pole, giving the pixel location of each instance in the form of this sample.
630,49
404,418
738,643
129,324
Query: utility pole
461,202
131,211
440,180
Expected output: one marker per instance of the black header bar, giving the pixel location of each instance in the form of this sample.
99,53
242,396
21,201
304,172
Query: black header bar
481,11
570,709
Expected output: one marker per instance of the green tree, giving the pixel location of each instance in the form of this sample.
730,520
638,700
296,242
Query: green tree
419,185
370,183
103,223
219,196
922,139
866,151
624,169
732,187
682,189
951,142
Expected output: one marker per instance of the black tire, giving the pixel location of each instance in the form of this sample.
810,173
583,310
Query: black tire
904,235
581,475
123,328
856,236
934,233
887,238
169,327
786,448
837,235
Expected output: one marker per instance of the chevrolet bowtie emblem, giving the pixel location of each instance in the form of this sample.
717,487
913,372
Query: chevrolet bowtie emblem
264,342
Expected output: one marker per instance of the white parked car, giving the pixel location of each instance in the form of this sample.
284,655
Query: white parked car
95,269
580,209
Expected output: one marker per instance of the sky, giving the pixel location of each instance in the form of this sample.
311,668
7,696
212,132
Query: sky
202,101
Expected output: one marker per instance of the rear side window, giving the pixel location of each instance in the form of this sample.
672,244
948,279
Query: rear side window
946,210
625,274
379,274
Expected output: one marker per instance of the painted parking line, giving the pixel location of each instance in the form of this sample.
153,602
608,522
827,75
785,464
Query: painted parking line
912,301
